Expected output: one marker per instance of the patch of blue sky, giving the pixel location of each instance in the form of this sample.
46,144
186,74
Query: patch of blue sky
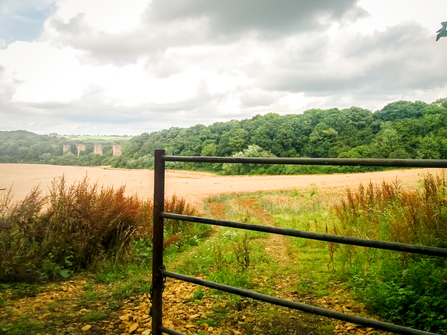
22,23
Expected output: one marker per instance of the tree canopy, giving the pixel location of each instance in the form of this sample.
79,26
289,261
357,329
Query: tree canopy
401,129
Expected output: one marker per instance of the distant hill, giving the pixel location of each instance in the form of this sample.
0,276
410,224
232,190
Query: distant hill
401,129
22,146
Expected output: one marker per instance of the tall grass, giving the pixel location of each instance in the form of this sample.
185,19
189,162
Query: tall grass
74,226
392,213
399,286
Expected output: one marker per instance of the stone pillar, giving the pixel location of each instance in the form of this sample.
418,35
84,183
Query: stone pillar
98,149
66,148
81,147
117,150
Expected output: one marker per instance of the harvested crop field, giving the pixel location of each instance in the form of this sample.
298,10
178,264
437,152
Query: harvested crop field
194,186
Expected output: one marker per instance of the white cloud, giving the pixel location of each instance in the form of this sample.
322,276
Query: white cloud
45,73
128,67
112,16
385,14
294,101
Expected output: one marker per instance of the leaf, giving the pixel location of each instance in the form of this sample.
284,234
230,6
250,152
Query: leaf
86,328
64,273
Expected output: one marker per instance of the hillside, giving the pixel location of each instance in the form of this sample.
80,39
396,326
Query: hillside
401,129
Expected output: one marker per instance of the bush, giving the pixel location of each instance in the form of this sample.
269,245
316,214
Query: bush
404,288
44,237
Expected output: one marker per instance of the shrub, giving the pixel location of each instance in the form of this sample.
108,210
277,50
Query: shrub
20,236
404,288
43,237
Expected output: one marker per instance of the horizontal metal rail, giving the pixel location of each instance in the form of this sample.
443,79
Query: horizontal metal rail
421,163
431,251
298,306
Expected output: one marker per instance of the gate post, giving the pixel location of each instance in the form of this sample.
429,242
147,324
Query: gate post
157,252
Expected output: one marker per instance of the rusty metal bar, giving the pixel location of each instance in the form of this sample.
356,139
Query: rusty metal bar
431,251
299,306
157,253
427,163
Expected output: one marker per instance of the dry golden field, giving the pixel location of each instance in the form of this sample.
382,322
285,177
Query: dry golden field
194,186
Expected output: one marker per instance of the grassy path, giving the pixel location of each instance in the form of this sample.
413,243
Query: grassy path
293,269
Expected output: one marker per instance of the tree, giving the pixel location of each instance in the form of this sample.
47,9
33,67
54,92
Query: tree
209,149
388,143
441,102
253,150
400,110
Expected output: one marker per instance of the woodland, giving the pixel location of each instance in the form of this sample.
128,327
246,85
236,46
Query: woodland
401,129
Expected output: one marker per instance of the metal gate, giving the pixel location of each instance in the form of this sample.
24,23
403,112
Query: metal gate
159,273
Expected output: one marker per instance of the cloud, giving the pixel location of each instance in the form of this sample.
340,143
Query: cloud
100,67
268,17
400,59
163,25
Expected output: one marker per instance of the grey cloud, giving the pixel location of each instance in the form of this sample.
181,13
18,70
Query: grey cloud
74,26
407,35
231,16
186,23
398,60
95,116
258,98
126,47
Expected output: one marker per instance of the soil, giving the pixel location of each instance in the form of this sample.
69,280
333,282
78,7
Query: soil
193,186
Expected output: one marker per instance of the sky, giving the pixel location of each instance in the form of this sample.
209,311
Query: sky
118,67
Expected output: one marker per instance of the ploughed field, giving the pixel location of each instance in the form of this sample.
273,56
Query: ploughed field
193,186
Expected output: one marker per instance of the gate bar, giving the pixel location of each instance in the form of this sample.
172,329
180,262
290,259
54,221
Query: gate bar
299,306
157,251
424,163
432,251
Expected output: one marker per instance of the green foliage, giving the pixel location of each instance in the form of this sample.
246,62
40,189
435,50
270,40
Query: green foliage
25,147
403,288
415,296
401,129
252,151
442,32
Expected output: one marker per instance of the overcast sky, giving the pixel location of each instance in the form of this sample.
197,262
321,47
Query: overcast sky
128,67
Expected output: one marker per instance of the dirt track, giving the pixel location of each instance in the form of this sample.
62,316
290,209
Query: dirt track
194,186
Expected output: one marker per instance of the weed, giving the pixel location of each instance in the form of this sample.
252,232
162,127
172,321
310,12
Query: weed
91,295
94,316
241,250
74,227
209,322
23,325
198,294
403,288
